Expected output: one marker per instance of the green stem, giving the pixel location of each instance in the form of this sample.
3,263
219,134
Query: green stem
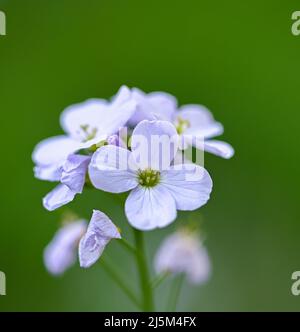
175,291
159,279
119,281
143,272
127,246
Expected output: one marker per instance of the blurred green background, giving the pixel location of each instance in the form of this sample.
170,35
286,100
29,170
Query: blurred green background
238,58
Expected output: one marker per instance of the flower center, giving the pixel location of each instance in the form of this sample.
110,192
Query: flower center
182,125
89,132
148,178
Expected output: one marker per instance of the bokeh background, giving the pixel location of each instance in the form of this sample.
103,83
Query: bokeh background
238,58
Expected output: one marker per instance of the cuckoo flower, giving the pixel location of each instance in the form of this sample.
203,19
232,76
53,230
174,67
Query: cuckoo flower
151,106
157,188
99,233
196,126
61,252
86,125
182,252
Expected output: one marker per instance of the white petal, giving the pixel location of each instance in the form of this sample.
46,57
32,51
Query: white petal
60,253
91,252
147,209
154,144
87,113
201,121
58,197
48,172
200,268
163,104
119,112
100,231
98,116
74,172
54,150
103,226
189,184
219,148
181,158
111,169
154,105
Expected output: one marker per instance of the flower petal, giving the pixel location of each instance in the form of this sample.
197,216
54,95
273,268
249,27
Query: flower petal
189,184
119,112
200,120
163,104
74,172
147,209
58,197
219,148
200,268
48,172
60,253
100,231
54,150
151,106
154,144
81,119
96,117
111,169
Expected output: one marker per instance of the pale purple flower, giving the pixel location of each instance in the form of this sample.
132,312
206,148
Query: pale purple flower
182,252
86,125
157,188
61,252
99,233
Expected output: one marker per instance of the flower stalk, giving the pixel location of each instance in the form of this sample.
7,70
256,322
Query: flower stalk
109,269
147,302
175,292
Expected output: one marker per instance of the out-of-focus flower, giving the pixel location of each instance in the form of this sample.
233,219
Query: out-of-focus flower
158,189
86,125
151,106
196,126
61,252
99,233
182,252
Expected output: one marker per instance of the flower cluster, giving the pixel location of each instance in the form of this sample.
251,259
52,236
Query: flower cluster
135,143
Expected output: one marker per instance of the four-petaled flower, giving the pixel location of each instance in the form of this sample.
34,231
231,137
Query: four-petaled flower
86,125
158,188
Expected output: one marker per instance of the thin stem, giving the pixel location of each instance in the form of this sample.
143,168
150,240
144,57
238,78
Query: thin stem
159,279
119,281
143,272
175,292
127,246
